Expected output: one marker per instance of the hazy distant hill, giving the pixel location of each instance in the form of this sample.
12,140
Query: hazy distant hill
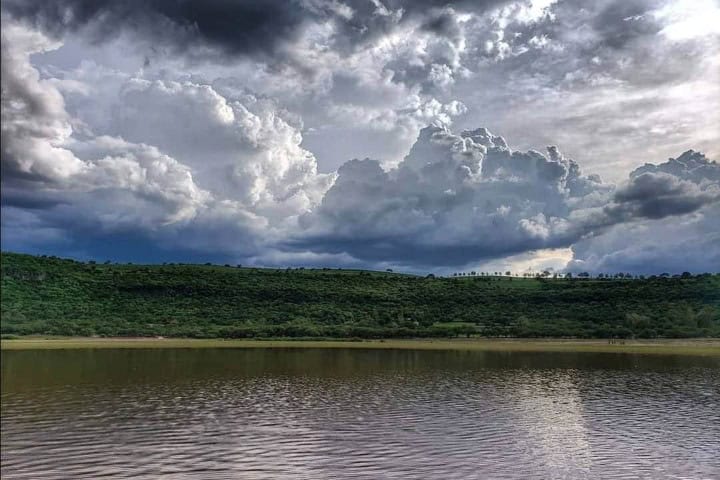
62,297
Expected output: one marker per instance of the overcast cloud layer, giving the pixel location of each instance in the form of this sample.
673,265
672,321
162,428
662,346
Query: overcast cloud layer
365,133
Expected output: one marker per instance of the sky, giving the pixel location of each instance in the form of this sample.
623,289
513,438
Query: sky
423,136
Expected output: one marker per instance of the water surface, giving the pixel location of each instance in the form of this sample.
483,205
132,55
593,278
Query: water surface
314,413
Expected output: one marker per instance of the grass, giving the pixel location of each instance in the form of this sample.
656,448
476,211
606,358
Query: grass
702,347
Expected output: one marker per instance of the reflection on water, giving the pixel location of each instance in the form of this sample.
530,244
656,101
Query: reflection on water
287,413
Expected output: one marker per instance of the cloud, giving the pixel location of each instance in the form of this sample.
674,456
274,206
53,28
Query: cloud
59,188
685,243
34,121
241,27
691,165
453,199
184,163
610,72
457,199
219,159
506,61
679,186
232,28
243,148
38,146
685,192
660,195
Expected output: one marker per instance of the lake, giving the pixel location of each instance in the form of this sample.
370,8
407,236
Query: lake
349,413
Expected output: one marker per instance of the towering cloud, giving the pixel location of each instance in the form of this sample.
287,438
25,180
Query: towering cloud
453,199
243,148
34,121
38,153
461,198
235,162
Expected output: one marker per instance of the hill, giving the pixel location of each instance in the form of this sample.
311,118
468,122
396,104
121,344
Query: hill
53,296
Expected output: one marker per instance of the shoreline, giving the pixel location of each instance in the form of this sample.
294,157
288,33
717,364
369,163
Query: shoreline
699,346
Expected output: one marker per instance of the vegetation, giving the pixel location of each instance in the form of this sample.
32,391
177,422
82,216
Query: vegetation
53,296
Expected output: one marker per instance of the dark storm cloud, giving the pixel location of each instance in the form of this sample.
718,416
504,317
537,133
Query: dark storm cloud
26,198
622,22
443,23
679,186
233,27
659,195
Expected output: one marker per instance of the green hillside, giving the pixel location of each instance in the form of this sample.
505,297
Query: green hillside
55,296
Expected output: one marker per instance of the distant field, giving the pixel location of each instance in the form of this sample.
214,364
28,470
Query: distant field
705,347
52,296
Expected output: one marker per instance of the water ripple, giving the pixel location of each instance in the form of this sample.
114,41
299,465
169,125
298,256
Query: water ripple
356,414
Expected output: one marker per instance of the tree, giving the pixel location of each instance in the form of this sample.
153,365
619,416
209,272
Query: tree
706,316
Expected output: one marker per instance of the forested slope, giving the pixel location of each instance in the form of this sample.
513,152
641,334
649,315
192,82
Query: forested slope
46,295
